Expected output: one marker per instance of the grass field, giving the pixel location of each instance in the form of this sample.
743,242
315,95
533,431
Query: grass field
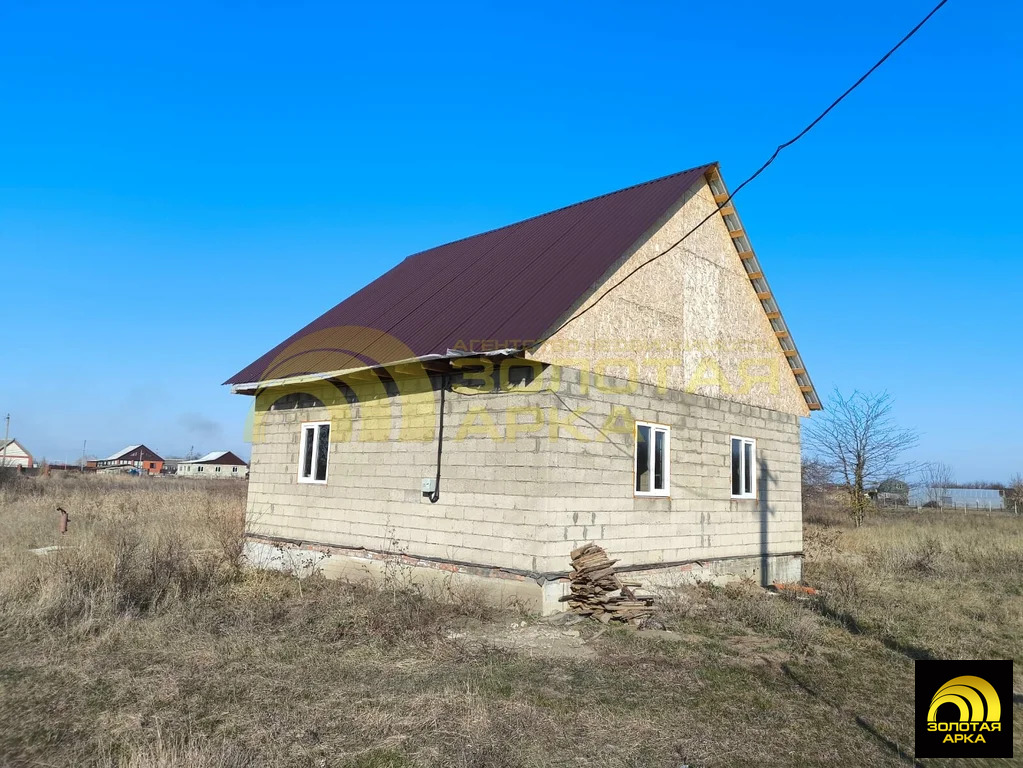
143,644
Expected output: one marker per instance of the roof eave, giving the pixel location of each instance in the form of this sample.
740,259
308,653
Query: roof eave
252,387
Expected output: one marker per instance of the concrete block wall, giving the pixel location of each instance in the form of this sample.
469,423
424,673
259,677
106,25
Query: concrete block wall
493,492
593,482
529,474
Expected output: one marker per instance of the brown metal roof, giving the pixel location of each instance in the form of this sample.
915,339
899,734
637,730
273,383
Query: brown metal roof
134,453
505,287
217,457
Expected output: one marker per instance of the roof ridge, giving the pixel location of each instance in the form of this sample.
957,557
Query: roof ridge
562,208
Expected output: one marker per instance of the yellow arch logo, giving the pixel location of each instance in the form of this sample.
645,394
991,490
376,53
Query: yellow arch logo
356,349
975,697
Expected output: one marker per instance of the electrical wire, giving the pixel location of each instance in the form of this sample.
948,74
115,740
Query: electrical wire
755,174
445,385
760,170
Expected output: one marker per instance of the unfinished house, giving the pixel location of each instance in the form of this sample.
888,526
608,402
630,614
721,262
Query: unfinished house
615,371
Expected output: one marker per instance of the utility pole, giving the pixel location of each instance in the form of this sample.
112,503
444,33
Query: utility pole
7,430
83,454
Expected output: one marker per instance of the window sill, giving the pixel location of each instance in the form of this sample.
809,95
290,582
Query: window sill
306,481
743,498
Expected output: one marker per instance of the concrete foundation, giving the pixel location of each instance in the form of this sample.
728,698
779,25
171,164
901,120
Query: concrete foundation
528,592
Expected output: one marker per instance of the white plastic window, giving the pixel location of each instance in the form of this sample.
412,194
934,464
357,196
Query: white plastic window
744,468
652,461
313,451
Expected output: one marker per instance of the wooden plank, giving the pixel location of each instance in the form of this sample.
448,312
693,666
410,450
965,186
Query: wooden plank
773,315
755,275
595,572
728,210
586,565
720,198
764,295
586,561
598,575
580,550
737,233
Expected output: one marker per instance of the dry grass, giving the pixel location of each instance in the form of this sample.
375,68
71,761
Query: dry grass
930,583
143,645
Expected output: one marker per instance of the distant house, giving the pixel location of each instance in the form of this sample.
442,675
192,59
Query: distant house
134,457
496,402
14,454
218,465
891,493
957,498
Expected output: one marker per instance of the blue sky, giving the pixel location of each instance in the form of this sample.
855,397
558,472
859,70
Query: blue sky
184,185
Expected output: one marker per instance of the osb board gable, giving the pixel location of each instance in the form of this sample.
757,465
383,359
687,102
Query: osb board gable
691,321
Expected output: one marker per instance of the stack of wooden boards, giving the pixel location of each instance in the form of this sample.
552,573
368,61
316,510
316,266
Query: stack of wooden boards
598,592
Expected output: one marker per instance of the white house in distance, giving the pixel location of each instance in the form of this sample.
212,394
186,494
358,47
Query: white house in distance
14,454
218,465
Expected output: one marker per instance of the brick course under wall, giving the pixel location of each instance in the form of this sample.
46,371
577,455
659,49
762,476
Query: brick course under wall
529,474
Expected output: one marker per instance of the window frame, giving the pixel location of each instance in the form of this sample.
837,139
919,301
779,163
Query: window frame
315,427
743,442
657,493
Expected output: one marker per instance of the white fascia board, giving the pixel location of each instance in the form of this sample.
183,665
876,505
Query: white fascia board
253,386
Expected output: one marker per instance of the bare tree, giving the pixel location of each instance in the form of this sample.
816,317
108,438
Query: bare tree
859,440
937,478
817,482
1015,492
817,476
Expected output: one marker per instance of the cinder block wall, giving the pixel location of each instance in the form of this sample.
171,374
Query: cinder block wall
520,489
594,479
493,491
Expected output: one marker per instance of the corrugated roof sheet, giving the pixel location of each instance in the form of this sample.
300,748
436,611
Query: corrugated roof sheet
203,459
508,286
217,457
121,453
142,453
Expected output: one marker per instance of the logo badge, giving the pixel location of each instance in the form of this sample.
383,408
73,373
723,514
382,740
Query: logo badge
963,708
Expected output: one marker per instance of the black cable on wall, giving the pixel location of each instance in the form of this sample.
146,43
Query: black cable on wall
444,384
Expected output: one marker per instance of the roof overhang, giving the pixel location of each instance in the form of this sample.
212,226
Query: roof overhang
251,388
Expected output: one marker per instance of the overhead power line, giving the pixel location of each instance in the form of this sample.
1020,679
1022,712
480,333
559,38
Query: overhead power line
757,172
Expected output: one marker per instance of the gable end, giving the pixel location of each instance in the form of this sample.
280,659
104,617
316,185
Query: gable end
757,279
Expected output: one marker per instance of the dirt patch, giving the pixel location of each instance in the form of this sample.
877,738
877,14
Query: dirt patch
561,638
